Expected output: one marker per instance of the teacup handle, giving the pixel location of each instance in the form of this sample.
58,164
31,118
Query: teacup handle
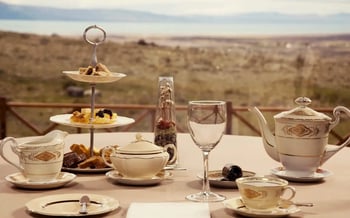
171,146
14,149
293,192
103,156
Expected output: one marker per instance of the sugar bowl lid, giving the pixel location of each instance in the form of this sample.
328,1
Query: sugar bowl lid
140,146
303,112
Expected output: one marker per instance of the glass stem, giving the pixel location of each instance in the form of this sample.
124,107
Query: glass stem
206,188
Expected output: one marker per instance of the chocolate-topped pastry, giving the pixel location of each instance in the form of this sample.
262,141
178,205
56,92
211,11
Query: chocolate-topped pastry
231,172
72,159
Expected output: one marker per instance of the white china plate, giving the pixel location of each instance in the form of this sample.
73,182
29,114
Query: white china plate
238,207
115,176
68,205
20,181
75,75
215,179
86,170
64,119
319,175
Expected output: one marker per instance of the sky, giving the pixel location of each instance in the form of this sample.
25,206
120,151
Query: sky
209,7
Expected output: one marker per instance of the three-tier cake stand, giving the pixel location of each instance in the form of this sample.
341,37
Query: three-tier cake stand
64,119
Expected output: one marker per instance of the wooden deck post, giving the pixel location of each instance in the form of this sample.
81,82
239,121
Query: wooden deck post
3,110
229,117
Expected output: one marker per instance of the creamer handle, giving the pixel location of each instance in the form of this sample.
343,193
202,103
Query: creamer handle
14,145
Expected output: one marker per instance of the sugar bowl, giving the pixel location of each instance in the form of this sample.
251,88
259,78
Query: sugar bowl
139,159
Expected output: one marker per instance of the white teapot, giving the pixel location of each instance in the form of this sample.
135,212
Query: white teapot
300,141
140,159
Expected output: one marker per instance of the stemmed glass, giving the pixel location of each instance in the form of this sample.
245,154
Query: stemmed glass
206,122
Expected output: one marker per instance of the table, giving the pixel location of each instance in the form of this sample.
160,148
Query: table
331,197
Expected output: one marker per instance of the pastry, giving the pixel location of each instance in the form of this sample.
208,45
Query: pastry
79,149
94,162
99,70
101,116
72,159
79,156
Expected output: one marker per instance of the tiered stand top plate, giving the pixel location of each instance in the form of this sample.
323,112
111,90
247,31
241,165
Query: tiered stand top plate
75,75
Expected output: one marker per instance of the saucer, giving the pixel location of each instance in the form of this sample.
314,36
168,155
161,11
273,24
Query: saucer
319,175
238,207
67,205
215,178
20,181
115,176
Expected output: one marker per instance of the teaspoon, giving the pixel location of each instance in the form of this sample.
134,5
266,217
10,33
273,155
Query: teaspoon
84,201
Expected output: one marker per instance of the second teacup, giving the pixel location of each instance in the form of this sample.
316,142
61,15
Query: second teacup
263,193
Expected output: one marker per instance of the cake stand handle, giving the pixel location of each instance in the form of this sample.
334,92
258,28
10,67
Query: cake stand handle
94,43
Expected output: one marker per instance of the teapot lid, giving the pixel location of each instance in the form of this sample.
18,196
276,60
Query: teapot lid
302,112
140,146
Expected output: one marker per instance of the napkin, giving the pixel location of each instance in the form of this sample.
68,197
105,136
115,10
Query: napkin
168,210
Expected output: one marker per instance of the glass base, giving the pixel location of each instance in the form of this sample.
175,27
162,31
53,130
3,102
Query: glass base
205,197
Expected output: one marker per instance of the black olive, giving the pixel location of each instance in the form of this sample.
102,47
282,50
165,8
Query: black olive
232,172
100,114
109,112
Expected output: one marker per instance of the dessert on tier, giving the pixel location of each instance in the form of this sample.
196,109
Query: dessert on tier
100,116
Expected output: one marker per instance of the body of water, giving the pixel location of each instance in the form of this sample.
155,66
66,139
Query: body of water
174,29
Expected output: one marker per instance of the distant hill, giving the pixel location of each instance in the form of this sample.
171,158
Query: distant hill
10,11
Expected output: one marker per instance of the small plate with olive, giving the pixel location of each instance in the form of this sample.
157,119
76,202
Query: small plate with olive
226,178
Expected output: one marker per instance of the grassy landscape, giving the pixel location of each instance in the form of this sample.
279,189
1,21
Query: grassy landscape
261,71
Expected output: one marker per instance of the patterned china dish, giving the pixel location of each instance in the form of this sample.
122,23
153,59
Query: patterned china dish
237,205
216,179
20,181
139,159
68,205
158,178
300,140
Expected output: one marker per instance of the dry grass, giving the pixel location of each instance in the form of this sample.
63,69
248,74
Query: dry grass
247,71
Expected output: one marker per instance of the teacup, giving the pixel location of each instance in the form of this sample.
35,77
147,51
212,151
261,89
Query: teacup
39,159
263,193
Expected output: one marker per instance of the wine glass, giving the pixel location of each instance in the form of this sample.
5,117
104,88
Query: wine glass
206,122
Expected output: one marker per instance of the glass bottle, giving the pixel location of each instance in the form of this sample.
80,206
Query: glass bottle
165,123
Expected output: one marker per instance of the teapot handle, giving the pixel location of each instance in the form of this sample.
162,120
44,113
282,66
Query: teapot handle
104,155
337,112
332,149
173,147
14,149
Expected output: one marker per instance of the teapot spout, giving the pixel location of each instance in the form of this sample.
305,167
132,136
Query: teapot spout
332,150
268,138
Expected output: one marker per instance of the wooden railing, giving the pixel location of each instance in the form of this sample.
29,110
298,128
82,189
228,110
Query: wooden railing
139,113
